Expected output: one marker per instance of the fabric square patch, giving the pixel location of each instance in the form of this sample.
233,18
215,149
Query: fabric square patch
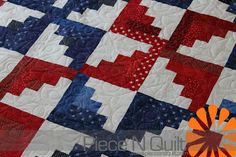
17,130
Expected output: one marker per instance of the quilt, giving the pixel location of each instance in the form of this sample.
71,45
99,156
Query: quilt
117,78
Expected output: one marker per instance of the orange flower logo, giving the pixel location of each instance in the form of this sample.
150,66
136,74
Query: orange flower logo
211,137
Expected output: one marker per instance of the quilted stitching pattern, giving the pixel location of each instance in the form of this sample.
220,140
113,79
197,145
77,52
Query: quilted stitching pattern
109,70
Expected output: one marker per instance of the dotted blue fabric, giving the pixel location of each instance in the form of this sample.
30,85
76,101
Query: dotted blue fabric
231,106
75,110
81,40
146,113
22,37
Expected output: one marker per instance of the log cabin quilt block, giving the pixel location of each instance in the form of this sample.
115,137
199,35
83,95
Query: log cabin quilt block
117,78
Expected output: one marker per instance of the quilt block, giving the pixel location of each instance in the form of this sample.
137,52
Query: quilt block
117,78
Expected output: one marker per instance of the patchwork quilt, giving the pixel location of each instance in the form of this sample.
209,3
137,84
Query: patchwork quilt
117,78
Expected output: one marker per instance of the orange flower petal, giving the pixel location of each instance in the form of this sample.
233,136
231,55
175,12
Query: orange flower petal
201,113
204,153
230,149
212,111
221,154
193,123
194,149
230,125
224,113
191,137
212,154
231,137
